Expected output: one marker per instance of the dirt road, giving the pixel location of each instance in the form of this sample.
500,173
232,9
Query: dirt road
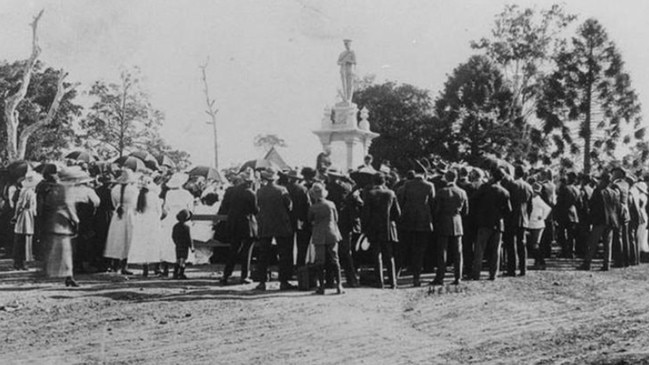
556,316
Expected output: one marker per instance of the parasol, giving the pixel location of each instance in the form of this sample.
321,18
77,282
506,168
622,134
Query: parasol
164,160
18,169
148,159
131,162
209,173
82,156
46,168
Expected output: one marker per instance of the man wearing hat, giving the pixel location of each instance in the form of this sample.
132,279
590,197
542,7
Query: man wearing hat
566,213
521,194
300,199
417,201
605,208
242,225
492,205
274,221
380,212
347,205
451,206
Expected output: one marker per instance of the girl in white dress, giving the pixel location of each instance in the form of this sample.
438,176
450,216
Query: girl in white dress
120,231
147,235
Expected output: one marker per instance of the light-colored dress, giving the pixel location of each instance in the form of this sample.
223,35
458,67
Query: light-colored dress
175,201
25,219
147,234
640,196
120,231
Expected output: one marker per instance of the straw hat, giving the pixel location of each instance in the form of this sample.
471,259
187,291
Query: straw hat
318,191
31,179
73,175
127,177
177,180
269,174
247,175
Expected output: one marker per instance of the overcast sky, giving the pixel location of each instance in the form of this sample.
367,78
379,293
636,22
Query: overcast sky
273,63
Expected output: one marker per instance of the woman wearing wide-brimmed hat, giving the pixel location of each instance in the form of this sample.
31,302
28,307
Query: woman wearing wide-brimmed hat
120,232
61,221
25,221
175,199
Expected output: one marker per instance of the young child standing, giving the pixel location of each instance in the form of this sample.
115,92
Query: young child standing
182,238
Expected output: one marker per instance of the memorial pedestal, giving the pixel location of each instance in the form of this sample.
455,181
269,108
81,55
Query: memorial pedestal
346,138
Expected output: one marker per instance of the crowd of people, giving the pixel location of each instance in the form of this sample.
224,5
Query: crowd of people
431,216
77,220
499,214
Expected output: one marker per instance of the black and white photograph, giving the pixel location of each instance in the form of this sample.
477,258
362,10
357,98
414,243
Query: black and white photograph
324,182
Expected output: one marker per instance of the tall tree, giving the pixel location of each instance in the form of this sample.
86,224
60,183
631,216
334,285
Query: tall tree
18,133
268,141
472,113
122,117
522,44
591,92
46,139
402,114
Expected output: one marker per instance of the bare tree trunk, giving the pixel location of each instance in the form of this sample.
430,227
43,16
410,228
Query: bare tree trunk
12,101
45,120
211,111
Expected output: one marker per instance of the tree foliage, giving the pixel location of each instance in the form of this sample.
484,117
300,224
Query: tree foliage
50,140
122,117
472,113
590,93
402,115
522,44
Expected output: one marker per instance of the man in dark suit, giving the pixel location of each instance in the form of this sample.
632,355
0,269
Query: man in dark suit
471,187
348,204
416,199
521,194
605,208
566,214
492,205
451,205
583,211
242,226
274,221
380,211
301,203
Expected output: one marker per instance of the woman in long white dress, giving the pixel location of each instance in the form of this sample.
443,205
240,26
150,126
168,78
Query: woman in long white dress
120,232
175,200
147,235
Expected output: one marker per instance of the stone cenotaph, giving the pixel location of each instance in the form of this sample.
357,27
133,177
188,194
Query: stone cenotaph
344,139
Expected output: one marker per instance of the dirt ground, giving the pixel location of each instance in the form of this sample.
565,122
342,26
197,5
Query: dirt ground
559,316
